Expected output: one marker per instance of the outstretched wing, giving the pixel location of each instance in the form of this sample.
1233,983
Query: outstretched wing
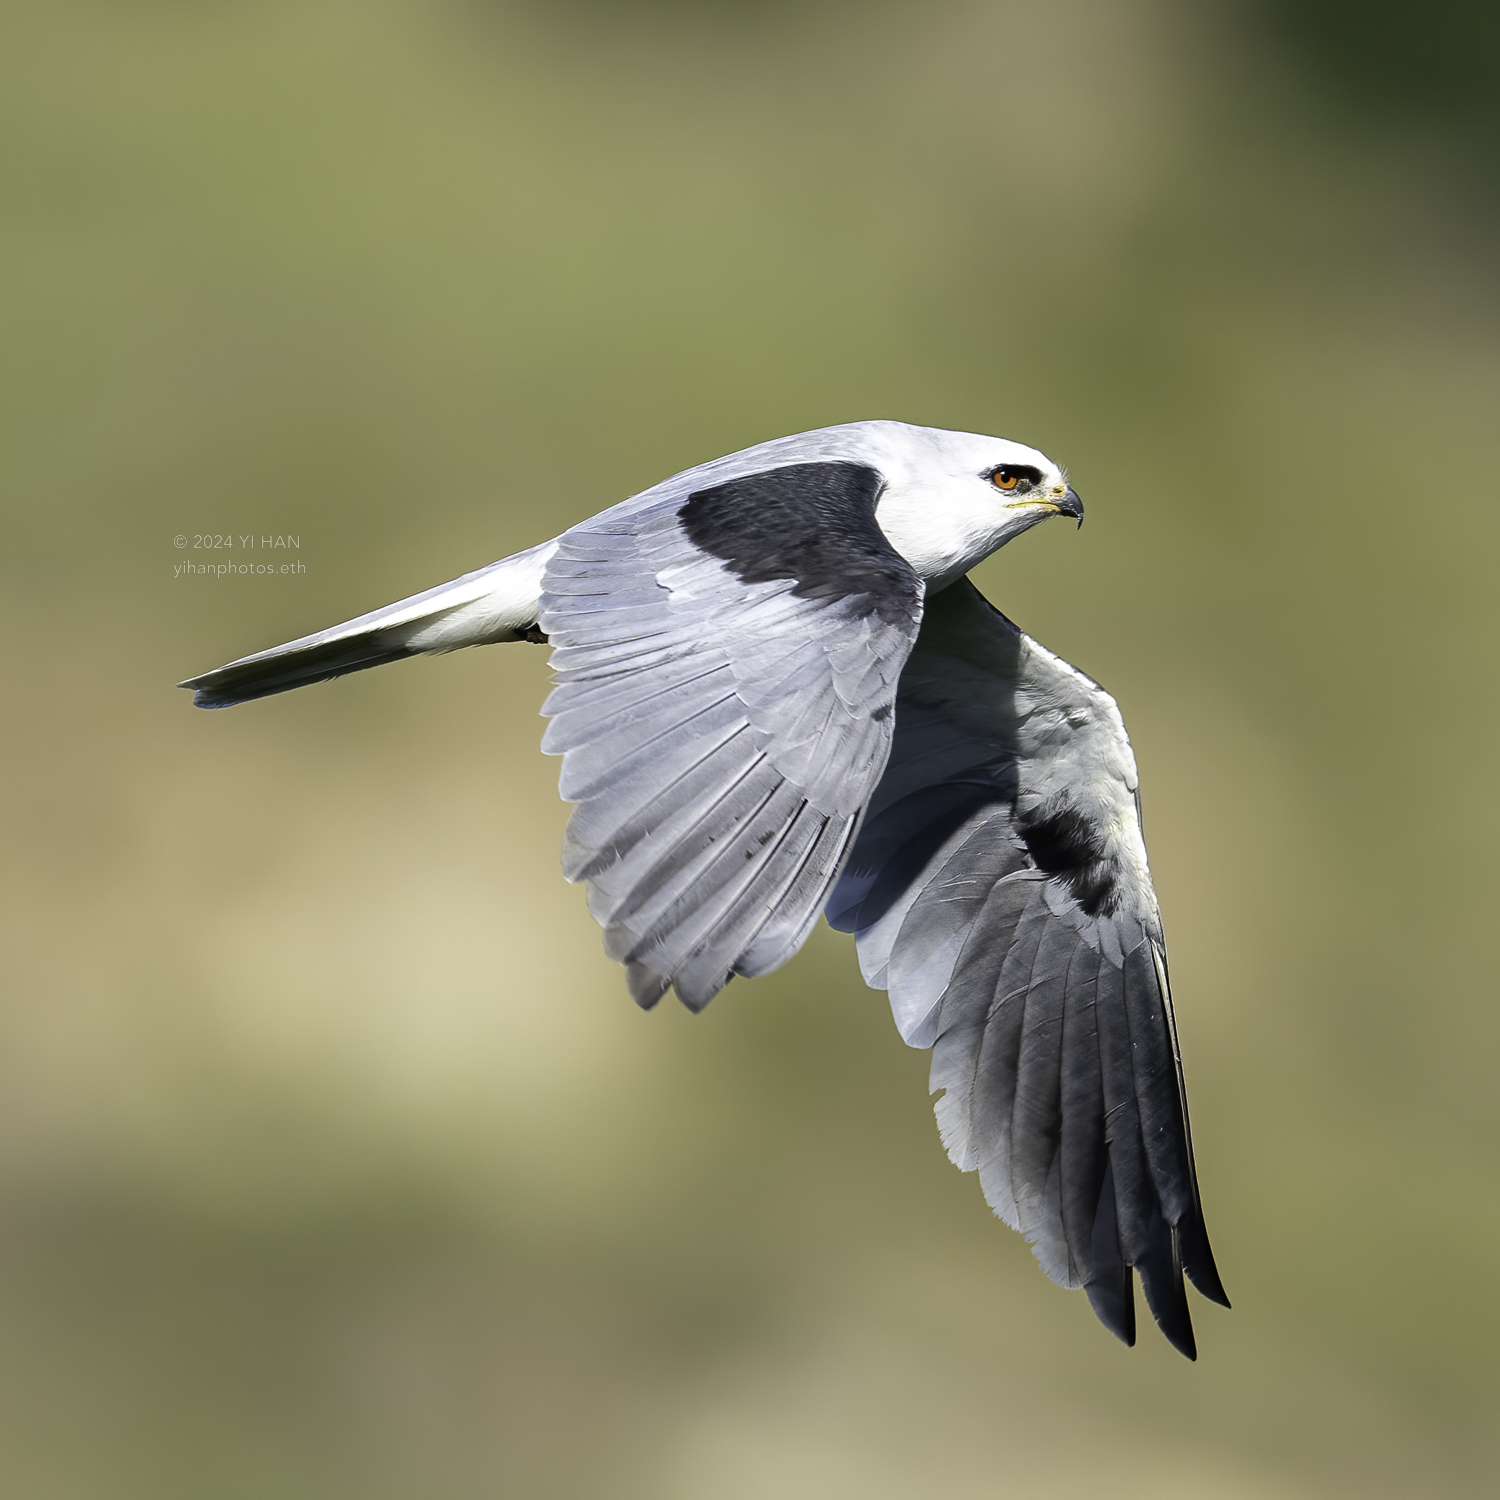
726,670
1000,893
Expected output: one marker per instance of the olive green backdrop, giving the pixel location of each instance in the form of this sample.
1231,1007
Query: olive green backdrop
334,1160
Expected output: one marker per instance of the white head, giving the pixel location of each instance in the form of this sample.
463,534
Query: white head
952,498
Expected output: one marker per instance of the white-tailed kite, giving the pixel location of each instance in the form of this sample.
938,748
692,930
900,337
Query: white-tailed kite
777,695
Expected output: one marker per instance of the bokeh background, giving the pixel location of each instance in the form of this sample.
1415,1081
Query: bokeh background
334,1161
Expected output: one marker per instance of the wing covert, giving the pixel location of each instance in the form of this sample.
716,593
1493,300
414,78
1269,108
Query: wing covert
1000,893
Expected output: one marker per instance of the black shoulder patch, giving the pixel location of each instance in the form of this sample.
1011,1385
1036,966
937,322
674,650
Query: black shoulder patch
1066,843
814,523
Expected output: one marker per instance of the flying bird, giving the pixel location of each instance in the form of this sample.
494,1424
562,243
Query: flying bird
778,695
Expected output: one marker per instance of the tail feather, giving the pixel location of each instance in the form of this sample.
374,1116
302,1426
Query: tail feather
242,682
497,603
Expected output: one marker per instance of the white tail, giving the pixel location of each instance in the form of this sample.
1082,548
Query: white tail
498,603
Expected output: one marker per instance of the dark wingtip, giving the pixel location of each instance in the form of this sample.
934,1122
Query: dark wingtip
1166,1296
1172,1250
1110,1286
1114,1306
1198,1261
1182,1340
1179,1333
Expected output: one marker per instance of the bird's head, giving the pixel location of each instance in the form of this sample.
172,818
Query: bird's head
952,498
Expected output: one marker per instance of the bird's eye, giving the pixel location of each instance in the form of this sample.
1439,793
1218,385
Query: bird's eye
1014,479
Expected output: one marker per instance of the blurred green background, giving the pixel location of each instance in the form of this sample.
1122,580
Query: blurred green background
334,1161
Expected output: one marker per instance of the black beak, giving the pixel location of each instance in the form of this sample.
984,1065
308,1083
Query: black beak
1070,505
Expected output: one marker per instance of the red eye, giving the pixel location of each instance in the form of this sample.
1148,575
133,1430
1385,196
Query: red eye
1005,479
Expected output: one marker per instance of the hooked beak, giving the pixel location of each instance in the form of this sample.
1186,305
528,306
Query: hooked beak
1070,505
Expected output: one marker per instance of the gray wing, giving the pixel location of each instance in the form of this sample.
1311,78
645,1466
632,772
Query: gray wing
726,670
1000,893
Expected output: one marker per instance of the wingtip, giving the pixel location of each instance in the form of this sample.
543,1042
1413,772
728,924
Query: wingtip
646,985
1198,1262
1166,1292
1111,1283
1176,1324
1212,1290
1114,1306
695,993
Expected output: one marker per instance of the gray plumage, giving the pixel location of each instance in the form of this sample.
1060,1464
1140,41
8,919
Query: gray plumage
777,695
1051,1025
